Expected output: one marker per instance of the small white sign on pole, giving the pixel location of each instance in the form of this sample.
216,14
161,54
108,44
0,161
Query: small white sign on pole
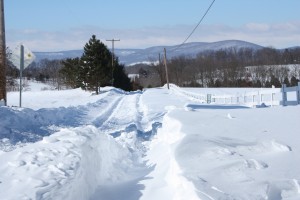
21,57
16,56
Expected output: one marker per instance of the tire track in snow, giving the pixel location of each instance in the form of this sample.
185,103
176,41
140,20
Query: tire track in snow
111,122
126,114
125,121
108,108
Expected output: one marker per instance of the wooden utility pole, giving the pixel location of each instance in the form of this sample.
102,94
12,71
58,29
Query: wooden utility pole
112,61
166,67
21,72
2,55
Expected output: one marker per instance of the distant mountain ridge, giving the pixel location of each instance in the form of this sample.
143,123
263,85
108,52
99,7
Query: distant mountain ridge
132,56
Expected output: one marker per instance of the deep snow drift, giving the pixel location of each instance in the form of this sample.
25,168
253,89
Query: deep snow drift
155,144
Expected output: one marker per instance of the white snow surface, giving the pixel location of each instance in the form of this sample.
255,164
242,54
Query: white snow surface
152,144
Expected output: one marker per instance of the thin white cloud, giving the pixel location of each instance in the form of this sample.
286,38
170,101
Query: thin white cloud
280,35
258,27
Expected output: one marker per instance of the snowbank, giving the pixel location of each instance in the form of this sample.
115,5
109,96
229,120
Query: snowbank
69,164
165,145
240,153
167,180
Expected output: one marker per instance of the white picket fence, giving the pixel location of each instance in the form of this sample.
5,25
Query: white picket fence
271,97
260,97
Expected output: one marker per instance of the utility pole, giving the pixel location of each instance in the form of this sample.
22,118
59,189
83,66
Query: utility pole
2,55
21,72
161,70
166,67
112,61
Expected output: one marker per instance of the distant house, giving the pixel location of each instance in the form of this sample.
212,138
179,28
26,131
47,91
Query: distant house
133,77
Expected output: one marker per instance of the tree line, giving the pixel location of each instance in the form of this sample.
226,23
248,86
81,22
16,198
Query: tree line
233,67
96,68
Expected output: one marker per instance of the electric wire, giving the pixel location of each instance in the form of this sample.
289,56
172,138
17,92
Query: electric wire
193,31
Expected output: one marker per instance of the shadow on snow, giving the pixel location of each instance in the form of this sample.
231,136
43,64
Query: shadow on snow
144,135
214,107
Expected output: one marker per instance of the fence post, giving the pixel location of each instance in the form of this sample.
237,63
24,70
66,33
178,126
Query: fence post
208,98
298,93
284,95
261,97
258,98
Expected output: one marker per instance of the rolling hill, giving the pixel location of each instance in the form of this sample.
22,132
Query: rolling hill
133,56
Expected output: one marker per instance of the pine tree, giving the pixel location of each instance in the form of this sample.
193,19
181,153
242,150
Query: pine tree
286,82
94,69
71,72
96,61
121,79
294,81
275,81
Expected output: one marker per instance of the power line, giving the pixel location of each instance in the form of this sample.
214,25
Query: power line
196,26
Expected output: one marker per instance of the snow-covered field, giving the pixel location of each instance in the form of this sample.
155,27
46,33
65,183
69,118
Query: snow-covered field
152,144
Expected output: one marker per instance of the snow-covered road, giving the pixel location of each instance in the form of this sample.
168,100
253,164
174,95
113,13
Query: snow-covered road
91,150
155,144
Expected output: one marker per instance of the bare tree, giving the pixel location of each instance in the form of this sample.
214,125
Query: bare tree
160,70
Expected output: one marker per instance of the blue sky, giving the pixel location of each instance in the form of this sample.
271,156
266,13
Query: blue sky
54,25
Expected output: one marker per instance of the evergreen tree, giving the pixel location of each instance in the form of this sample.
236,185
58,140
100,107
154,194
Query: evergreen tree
96,61
121,79
94,69
258,84
218,83
294,81
286,82
71,72
275,81
268,84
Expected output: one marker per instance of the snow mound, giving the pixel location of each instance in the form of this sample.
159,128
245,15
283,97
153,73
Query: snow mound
167,181
23,125
69,164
